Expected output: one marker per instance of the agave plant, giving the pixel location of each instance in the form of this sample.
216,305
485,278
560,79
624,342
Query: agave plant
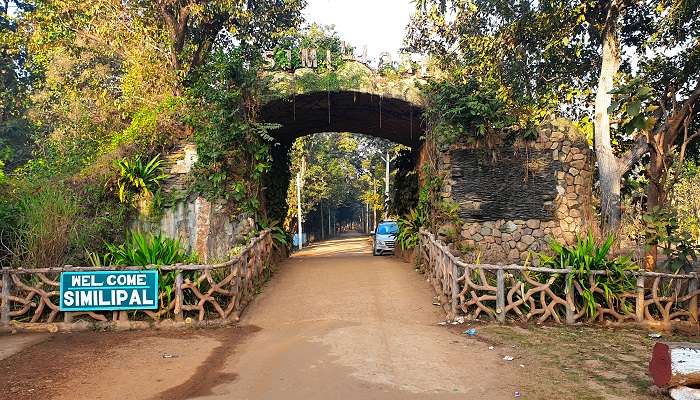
137,178
588,255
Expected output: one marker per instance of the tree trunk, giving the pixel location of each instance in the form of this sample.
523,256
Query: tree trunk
608,166
323,236
656,195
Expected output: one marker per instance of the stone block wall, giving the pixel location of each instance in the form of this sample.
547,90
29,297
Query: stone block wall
513,199
204,227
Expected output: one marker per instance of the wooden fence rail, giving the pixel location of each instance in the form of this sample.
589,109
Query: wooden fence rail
203,294
519,293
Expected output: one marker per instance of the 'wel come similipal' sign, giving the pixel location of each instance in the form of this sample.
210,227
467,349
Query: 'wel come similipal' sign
109,290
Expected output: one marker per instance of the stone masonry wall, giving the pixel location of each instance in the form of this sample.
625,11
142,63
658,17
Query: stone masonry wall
514,199
201,226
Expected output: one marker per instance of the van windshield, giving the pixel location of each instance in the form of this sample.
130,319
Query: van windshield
387,229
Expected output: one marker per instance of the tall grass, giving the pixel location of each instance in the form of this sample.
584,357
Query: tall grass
45,229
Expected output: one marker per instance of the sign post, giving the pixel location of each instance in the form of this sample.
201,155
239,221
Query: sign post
109,290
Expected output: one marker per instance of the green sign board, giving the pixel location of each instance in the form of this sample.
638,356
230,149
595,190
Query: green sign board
109,290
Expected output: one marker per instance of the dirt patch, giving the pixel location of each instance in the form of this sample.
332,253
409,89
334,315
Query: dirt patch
118,365
582,362
209,373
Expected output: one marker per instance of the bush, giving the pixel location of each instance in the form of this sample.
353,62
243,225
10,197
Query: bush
139,180
143,249
585,256
409,229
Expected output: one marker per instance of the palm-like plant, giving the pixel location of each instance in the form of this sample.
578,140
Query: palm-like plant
137,178
147,249
587,256
408,229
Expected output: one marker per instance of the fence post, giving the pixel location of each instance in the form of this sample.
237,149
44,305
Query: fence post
178,296
640,298
570,305
693,302
500,296
455,288
5,296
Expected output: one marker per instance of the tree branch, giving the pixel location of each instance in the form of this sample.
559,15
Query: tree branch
631,157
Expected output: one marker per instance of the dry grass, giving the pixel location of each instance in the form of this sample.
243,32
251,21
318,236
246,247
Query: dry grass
581,363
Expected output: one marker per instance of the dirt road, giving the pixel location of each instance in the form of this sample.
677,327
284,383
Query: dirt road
333,323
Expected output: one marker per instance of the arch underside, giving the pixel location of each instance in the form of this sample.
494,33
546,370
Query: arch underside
390,118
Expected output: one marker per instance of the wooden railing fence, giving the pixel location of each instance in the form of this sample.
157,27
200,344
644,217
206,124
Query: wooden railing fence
188,293
519,293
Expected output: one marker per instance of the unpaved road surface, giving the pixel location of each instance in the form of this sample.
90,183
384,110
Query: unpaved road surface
333,323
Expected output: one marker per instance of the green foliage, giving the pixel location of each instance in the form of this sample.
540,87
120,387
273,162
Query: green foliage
661,227
138,179
233,150
469,110
144,249
586,256
409,227
281,239
44,227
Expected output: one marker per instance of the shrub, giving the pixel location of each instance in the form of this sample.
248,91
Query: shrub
142,249
137,179
585,256
409,229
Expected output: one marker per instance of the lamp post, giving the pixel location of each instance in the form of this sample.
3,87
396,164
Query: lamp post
299,208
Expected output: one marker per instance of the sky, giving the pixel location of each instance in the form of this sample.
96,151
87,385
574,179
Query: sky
379,24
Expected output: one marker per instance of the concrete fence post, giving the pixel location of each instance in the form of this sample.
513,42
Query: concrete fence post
5,297
693,301
639,304
500,296
570,305
178,296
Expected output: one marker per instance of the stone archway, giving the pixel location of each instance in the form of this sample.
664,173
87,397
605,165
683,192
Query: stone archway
391,118
395,119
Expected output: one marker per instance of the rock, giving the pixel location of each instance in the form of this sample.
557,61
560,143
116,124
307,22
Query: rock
579,164
517,235
684,393
485,231
528,240
512,244
527,231
521,246
509,227
561,190
514,254
477,237
573,171
533,223
538,233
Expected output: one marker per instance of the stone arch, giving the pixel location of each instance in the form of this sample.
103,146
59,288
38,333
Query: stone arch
391,118
396,119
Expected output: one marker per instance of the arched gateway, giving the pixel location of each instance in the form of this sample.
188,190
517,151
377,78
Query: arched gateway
394,119
512,199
